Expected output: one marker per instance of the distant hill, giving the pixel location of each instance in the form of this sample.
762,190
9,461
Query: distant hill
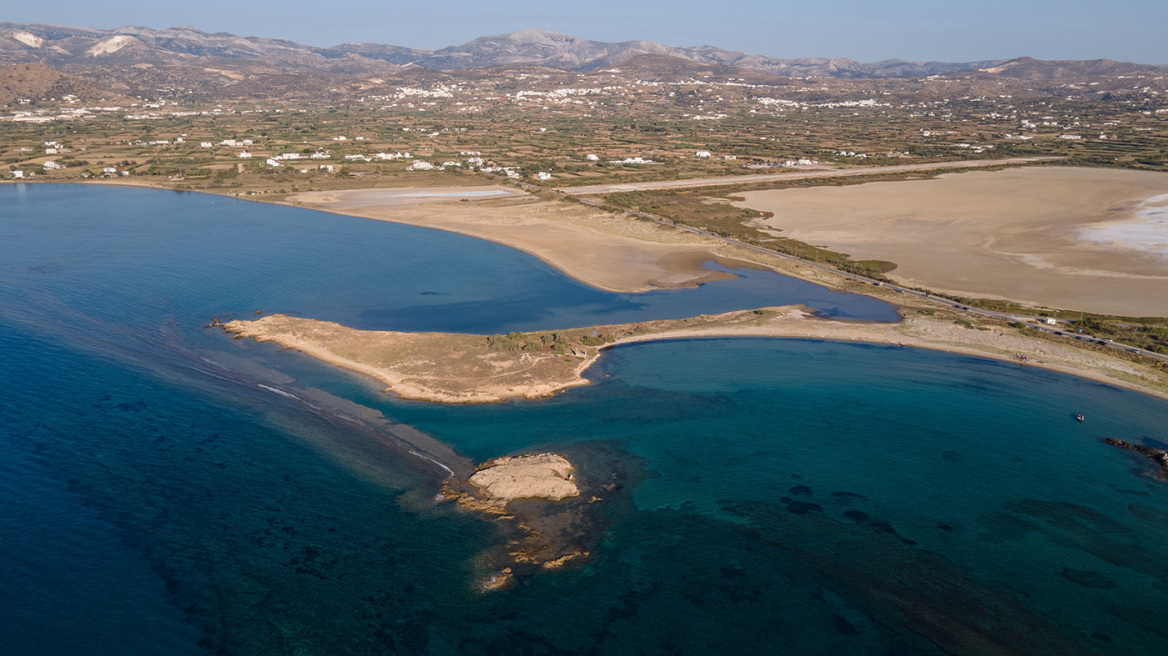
83,47
1028,68
37,82
555,50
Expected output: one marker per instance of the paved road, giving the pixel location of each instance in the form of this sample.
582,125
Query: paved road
799,175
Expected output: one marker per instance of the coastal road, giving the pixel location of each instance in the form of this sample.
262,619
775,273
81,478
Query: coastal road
799,175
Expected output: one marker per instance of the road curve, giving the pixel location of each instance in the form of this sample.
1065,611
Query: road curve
800,175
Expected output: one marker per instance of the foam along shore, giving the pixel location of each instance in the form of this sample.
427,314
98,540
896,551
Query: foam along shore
606,251
460,368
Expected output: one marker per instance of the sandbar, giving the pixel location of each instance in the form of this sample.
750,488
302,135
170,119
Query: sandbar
611,252
459,368
1075,238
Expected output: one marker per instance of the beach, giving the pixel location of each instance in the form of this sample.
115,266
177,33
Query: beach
1071,238
607,251
452,368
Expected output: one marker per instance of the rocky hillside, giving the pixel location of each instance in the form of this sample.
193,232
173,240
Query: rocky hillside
36,82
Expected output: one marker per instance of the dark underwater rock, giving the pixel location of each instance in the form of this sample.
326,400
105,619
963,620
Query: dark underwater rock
1159,457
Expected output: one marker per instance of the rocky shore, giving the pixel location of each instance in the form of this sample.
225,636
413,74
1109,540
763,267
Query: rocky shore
545,513
1159,457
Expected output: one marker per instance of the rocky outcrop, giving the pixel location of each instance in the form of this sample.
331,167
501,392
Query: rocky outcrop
1158,456
536,501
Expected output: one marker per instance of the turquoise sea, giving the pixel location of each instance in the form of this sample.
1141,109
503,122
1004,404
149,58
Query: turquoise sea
167,490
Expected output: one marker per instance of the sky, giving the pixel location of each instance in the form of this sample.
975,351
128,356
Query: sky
871,30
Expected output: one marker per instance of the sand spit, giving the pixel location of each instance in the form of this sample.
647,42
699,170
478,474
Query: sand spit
1074,238
454,368
593,246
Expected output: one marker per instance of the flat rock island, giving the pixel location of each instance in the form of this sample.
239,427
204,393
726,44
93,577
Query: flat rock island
534,476
539,507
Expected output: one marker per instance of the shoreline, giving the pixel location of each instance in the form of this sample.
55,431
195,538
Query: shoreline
589,245
613,254
1058,237
694,257
999,343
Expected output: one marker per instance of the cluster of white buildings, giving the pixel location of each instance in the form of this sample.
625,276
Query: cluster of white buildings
632,160
510,171
229,143
278,160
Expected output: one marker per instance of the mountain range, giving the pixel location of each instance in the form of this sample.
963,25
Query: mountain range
42,62
76,48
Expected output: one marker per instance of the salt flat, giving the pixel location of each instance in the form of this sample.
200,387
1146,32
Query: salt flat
1075,238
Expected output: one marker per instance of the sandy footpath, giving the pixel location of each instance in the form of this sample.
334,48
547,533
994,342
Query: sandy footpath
1073,238
603,250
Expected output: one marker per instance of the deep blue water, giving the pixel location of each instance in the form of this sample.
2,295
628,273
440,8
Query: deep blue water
784,496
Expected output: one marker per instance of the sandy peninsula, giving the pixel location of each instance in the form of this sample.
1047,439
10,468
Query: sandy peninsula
1073,238
457,368
596,247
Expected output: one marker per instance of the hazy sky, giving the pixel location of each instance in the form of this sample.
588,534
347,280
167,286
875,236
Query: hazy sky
869,30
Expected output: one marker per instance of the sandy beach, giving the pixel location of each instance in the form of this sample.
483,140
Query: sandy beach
1081,239
610,252
454,368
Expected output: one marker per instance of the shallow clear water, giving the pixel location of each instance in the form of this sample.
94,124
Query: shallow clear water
785,496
